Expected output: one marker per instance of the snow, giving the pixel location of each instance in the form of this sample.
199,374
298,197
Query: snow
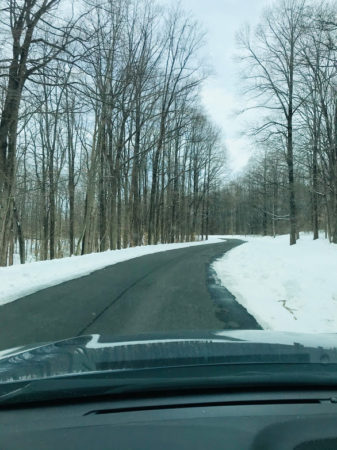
286,288
20,280
33,250
94,343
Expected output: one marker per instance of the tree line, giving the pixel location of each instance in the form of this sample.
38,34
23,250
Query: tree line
103,142
289,63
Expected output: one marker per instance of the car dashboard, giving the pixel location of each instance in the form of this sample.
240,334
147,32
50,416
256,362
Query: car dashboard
275,420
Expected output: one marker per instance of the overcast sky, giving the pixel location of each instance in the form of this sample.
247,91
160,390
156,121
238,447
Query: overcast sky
221,19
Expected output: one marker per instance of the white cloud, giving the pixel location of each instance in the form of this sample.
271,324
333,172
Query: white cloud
239,151
221,104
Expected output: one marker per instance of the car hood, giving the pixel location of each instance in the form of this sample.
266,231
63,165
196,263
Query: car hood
96,353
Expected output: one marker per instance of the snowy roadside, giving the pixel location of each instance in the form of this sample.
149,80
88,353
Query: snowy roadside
20,280
286,288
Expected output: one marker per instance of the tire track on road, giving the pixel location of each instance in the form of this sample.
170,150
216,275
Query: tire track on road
119,296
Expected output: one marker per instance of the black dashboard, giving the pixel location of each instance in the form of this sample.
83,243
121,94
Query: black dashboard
278,420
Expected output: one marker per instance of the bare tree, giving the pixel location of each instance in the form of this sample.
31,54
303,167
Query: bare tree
274,60
22,59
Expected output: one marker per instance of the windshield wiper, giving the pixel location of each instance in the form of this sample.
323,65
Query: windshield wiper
222,377
92,365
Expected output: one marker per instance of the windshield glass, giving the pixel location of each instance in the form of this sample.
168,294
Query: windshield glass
168,186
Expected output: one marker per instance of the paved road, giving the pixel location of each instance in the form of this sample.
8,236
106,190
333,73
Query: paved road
174,290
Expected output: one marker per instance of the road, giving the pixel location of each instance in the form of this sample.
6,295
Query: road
167,291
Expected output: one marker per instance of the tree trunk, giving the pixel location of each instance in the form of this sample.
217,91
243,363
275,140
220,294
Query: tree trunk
315,191
290,163
20,235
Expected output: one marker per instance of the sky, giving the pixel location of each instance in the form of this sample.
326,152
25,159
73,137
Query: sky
221,19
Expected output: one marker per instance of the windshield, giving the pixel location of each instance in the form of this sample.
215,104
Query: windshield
168,183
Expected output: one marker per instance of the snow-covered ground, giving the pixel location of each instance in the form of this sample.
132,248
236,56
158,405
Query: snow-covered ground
286,288
20,280
33,250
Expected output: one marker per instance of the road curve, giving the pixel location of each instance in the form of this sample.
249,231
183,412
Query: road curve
167,291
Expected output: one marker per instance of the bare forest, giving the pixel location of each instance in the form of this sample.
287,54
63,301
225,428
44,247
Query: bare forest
103,140
104,143
289,80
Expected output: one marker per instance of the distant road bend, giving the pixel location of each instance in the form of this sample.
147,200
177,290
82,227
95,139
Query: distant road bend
167,291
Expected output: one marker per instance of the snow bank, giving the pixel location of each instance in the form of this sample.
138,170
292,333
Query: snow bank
286,288
20,280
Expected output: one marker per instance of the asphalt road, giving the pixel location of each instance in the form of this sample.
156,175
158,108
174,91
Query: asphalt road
167,291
